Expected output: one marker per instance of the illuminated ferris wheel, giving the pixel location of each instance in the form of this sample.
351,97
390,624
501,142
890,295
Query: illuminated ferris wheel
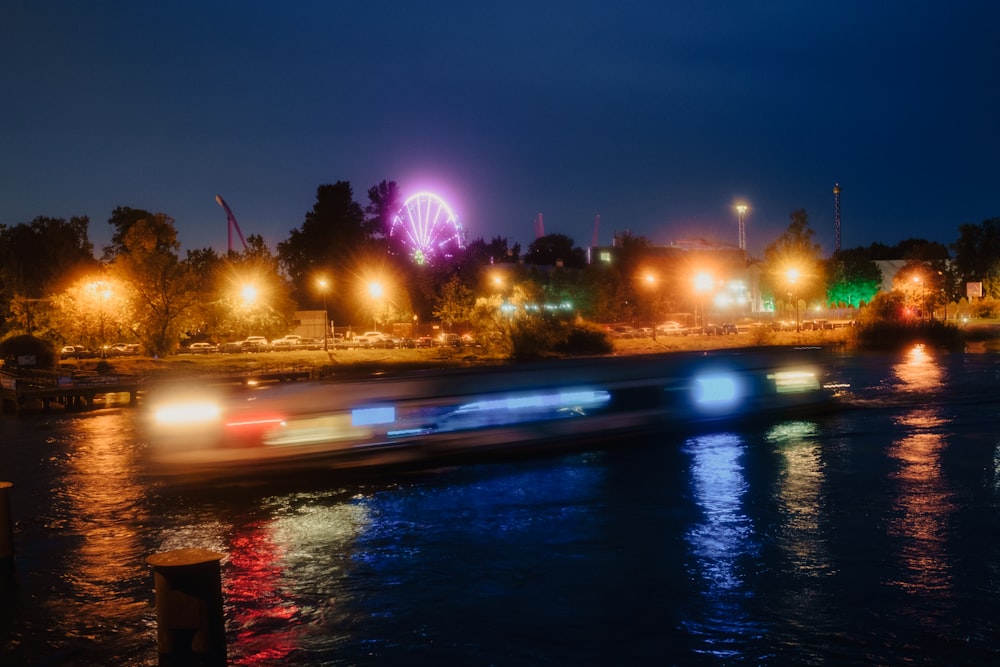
428,228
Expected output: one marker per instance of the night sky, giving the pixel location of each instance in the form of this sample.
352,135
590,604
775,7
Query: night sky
659,116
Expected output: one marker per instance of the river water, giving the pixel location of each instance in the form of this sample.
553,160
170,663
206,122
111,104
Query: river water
869,536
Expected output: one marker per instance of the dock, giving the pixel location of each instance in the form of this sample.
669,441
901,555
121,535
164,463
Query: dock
23,389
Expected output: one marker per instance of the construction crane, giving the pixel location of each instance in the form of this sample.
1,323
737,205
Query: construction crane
231,222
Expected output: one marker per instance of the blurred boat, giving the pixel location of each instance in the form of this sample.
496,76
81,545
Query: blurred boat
440,415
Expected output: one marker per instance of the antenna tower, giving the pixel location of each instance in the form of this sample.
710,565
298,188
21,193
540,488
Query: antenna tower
539,226
836,212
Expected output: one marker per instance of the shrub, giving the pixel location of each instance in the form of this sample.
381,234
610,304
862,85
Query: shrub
887,334
585,339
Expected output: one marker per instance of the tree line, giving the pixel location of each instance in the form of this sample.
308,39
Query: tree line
140,288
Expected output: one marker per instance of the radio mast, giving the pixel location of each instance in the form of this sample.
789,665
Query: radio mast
836,212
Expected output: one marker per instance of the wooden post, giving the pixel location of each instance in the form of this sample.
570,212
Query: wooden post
6,524
189,618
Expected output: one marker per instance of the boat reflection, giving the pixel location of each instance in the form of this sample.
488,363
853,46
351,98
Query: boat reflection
419,417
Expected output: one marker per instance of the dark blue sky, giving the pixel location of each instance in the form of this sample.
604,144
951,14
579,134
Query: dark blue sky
659,116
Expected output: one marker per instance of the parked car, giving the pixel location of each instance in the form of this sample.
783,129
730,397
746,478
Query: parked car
425,341
124,349
670,328
623,331
202,348
374,339
288,342
75,352
720,329
249,344
450,340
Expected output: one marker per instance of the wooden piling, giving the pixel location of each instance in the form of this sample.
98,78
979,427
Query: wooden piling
189,617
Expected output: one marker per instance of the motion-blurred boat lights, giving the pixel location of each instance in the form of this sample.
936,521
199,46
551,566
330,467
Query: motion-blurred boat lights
717,392
794,381
186,413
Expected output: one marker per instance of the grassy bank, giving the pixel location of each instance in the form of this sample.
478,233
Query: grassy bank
346,363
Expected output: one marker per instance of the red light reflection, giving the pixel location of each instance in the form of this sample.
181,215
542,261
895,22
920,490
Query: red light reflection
264,619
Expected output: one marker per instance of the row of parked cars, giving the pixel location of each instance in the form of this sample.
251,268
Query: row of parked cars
673,329
367,340
84,352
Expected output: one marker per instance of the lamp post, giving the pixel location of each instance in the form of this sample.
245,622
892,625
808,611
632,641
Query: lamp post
792,275
653,285
741,210
376,291
103,292
702,284
324,286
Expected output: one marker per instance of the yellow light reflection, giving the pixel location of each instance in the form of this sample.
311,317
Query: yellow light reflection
800,493
923,503
102,483
919,369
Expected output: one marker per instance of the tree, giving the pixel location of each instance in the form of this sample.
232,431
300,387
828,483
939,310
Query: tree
924,285
455,302
854,279
161,290
792,262
91,311
498,251
38,259
331,236
384,203
244,294
554,249
122,219
977,255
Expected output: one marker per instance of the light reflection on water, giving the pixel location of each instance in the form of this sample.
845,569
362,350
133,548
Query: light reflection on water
923,504
847,540
103,514
722,542
800,498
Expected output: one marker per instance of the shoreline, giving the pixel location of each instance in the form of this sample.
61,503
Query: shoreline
355,362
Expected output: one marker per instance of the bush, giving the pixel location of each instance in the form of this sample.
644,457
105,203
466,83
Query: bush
585,339
889,334
36,352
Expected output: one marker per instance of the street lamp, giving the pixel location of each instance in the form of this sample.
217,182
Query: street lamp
103,292
249,294
792,276
376,291
651,283
324,287
702,284
741,210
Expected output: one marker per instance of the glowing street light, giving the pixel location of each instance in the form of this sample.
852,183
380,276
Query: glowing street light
249,294
703,282
324,286
376,291
653,284
792,276
103,291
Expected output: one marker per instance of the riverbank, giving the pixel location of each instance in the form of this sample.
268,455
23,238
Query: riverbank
354,362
